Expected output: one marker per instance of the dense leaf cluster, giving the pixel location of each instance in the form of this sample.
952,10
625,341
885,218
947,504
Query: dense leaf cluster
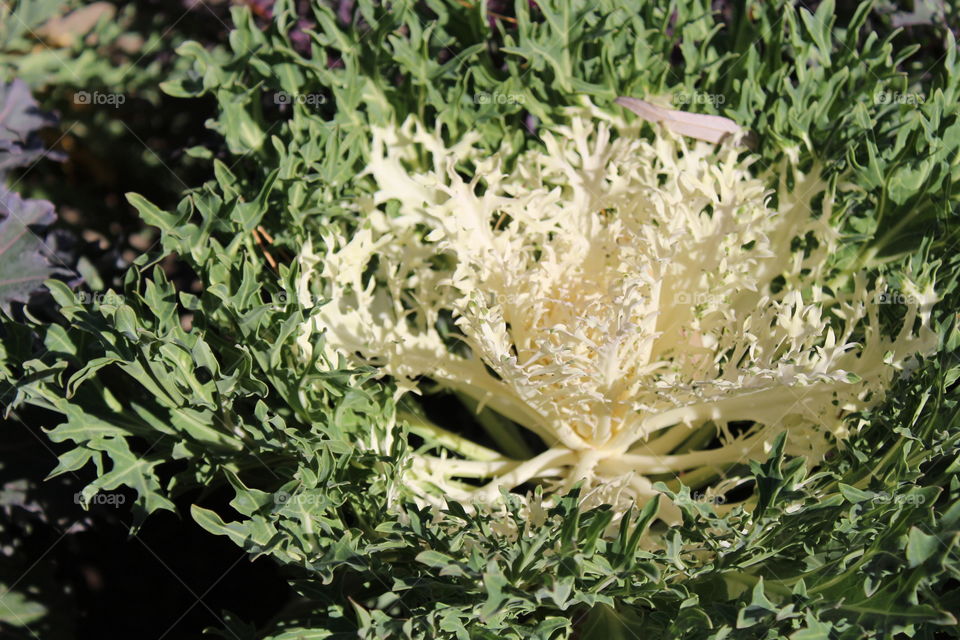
164,390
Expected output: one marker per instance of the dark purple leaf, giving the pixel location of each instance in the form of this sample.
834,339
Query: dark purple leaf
20,119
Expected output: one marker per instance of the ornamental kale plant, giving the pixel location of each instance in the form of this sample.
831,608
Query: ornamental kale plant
480,353
615,298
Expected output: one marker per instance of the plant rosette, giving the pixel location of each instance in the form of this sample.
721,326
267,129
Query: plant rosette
631,302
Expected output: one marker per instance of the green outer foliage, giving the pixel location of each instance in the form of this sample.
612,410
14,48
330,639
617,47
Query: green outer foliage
92,61
864,546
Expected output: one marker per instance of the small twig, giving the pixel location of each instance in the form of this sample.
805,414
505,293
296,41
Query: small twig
264,233
266,254
269,238
498,16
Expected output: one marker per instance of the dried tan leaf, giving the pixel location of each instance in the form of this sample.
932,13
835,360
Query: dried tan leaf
63,31
702,127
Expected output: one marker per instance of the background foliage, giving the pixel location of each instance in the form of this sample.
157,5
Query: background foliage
176,385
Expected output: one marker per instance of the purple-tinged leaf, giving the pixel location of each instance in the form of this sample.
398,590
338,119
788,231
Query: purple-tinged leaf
23,256
20,118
